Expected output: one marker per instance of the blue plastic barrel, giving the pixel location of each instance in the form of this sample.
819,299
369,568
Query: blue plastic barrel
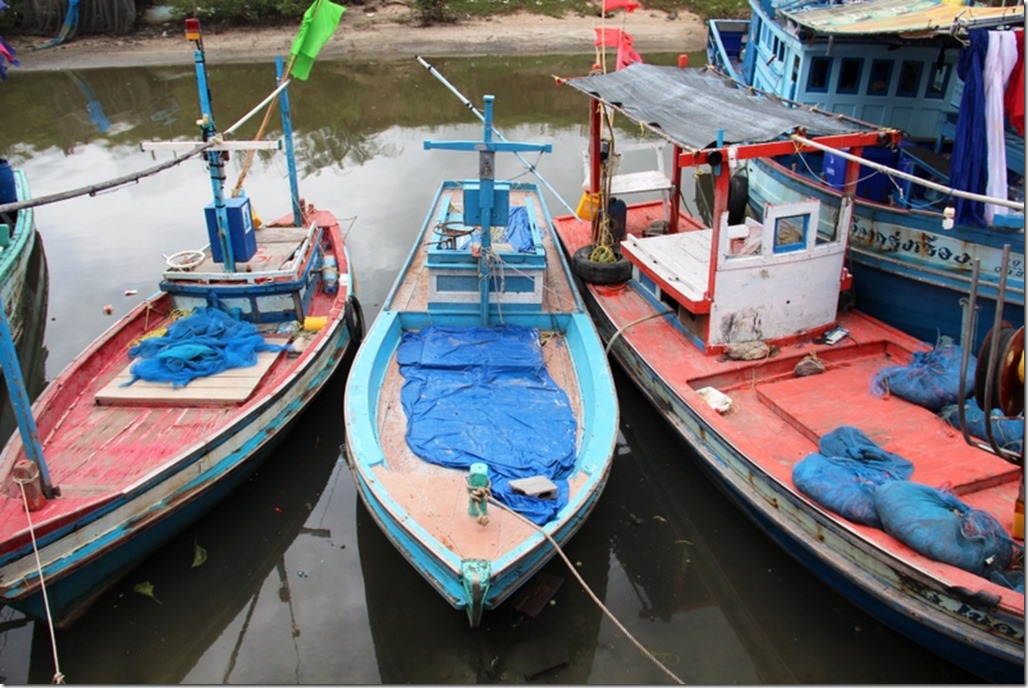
8,190
330,275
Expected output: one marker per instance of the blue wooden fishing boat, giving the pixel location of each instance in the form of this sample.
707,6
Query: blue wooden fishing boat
897,64
24,285
734,332
480,411
179,401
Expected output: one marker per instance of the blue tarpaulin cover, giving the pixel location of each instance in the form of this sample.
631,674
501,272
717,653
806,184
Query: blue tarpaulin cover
204,343
845,473
482,394
938,525
932,379
517,233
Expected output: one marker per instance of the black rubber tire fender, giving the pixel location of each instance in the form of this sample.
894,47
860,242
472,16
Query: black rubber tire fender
738,198
600,273
354,319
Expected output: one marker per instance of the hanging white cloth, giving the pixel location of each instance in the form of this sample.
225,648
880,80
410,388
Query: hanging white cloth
999,63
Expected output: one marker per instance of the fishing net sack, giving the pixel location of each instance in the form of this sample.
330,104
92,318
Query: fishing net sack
938,525
845,473
932,379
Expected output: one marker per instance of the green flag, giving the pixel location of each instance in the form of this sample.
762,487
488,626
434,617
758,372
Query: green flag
319,23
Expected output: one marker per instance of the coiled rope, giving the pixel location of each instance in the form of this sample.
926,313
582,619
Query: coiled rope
58,678
480,496
585,586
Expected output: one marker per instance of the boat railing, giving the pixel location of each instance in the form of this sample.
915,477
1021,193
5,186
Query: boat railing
726,41
649,181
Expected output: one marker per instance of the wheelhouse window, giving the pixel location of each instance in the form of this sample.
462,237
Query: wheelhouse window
849,75
938,81
881,75
820,74
909,78
791,233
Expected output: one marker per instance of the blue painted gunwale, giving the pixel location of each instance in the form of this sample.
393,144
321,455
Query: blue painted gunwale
14,259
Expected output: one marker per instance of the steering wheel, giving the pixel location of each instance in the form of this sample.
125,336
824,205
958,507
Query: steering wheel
451,231
185,260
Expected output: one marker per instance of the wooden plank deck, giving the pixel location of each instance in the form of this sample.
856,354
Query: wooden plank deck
232,386
680,260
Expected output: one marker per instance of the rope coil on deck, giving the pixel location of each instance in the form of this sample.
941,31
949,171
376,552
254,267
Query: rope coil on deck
58,678
480,496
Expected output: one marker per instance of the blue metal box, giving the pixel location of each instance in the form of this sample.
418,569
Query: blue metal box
240,230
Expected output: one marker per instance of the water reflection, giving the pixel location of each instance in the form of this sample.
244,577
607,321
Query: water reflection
246,574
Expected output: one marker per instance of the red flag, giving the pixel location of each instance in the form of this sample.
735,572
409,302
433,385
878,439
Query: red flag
626,53
607,37
626,5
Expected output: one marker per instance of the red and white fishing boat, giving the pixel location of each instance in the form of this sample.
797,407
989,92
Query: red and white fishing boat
735,333
178,402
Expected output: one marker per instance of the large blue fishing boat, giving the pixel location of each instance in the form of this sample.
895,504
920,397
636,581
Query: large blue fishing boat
923,214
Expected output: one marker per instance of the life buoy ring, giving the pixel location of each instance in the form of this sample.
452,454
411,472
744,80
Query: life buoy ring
184,260
600,273
354,319
738,198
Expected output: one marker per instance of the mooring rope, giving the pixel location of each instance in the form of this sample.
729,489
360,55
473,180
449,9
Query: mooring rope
58,678
480,495
610,342
585,586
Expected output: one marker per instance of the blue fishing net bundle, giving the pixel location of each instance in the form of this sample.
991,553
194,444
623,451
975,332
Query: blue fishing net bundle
940,526
846,471
204,343
1008,432
858,480
483,395
932,379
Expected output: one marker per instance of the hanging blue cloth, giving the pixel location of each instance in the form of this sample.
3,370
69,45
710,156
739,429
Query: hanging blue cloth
970,162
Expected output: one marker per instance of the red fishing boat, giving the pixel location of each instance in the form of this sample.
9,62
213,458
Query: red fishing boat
178,402
794,404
